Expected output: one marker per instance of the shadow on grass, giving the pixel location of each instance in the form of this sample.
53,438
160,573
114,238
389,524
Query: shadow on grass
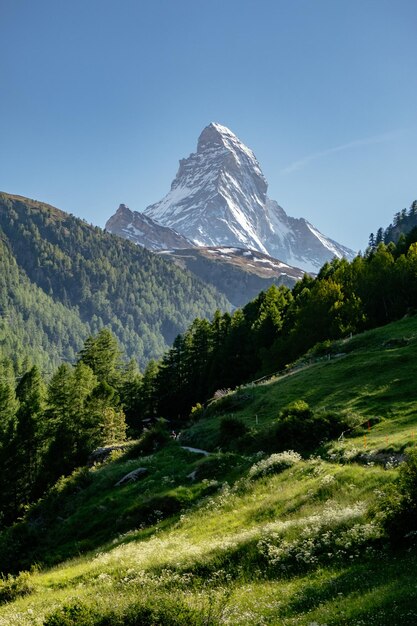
378,591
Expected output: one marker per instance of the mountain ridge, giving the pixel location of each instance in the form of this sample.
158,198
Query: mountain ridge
143,230
219,197
238,273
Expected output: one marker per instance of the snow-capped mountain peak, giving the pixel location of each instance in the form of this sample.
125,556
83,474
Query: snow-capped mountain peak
218,193
219,198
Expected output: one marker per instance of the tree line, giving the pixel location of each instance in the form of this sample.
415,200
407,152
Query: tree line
404,221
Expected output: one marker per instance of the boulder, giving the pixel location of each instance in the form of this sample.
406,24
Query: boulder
133,476
101,454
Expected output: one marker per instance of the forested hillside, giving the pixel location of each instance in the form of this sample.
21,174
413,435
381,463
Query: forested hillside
240,536
32,323
100,279
280,325
50,425
404,221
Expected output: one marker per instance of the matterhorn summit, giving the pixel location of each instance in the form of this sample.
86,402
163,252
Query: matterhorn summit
219,198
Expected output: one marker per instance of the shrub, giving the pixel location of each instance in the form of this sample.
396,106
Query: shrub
297,428
274,464
73,615
17,546
12,587
221,393
197,412
152,439
231,429
217,465
397,511
325,540
154,509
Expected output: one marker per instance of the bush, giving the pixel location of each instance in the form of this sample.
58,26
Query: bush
332,537
231,429
217,465
274,464
18,544
73,615
197,412
297,428
152,439
12,587
153,510
397,511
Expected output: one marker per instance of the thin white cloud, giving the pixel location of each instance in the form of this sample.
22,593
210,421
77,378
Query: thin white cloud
297,165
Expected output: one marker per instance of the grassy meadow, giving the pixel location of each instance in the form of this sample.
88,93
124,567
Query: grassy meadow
240,537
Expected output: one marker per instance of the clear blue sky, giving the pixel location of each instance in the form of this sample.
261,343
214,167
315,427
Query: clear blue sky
99,99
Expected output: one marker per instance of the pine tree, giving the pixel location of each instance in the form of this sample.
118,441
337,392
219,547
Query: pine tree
102,354
28,441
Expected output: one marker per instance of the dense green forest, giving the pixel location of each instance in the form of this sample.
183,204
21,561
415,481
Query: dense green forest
32,324
63,280
49,428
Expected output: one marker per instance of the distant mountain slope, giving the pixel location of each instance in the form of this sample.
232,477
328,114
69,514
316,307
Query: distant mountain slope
144,231
32,324
106,281
239,274
219,198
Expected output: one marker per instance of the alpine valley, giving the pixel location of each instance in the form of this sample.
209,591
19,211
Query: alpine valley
262,471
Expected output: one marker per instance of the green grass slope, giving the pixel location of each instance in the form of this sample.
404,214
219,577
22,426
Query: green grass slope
371,377
238,537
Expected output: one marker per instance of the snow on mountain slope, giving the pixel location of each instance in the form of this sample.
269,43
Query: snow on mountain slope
144,231
219,198
238,273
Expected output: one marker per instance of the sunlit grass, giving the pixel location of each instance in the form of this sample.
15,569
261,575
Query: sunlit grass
291,548
374,379
210,540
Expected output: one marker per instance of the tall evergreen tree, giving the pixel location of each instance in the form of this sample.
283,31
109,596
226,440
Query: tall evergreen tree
103,355
28,443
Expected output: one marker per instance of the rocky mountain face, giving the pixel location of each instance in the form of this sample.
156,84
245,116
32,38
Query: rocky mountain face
144,231
219,198
239,274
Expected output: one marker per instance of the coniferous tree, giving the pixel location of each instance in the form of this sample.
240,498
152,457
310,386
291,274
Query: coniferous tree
68,419
103,355
28,442
148,398
379,236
